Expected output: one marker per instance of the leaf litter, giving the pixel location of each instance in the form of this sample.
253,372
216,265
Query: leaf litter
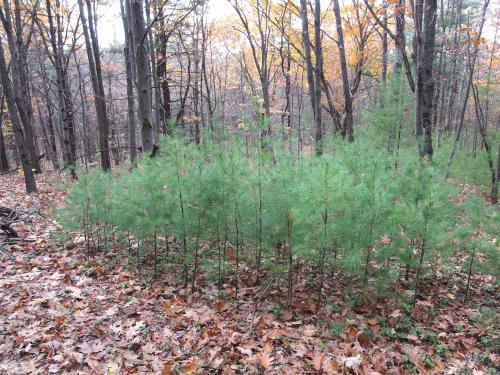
56,317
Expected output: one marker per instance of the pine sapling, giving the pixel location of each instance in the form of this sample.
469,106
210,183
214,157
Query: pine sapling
183,218
324,245
422,255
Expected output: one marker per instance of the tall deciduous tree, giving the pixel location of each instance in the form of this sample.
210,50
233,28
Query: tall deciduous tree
4,162
472,56
63,88
18,44
260,48
143,80
424,17
318,49
29,178
347,120
130,69
94,58
306,44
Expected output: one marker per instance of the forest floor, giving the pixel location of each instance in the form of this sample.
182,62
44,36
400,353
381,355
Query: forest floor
62,314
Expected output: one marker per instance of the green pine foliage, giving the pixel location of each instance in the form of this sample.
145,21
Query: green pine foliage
217,211
477,237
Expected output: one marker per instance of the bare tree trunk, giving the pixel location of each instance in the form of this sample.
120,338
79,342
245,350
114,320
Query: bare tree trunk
471,64
18,56
335,115
115,139
52,156
4,162
166,109
204,72
50,116
196,82
481,126
262,64
286,62
318,49
183,96
142,75
384,46
29,178
155,79
306,43
83,103
63,91
130,68
494,187
93,55
347,126
454,80
488,80
429,37
424,15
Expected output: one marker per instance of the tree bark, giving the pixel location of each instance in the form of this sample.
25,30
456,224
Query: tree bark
306,44
429,27
142,75
318,49
4,162
29,178
424,15
347,121
204,71
156,103
262,64
18,56
471,65
128,51
63,90
196,82
384,46
93,55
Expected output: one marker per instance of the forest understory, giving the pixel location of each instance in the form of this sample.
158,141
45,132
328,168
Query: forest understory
61,312
249,187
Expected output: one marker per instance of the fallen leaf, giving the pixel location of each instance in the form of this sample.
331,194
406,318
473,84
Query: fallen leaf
353,363
190,368
244,351
318,360
286,315
264,360
268,346
309,330
352,333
